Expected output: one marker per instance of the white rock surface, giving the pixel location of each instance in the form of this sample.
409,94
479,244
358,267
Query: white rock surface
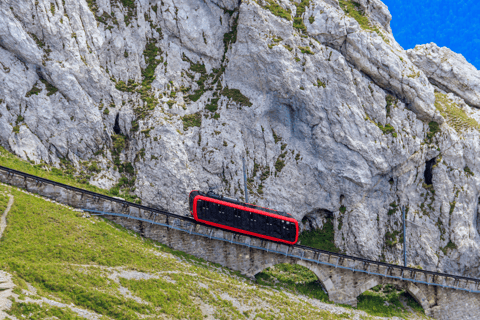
448,70
317,137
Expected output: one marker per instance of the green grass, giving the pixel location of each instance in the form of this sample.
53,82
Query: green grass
387,129
352,9
45,171
433,129
69,259
236,96
298,20
391,101
454,116
320,238
321,84
293,277
192,120
306,50
3,202
277,10
280,163
35,90
50,88
68,174
373,302
36,311
450,245
301,280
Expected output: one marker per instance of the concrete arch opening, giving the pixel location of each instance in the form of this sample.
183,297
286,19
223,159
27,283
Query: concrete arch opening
297,276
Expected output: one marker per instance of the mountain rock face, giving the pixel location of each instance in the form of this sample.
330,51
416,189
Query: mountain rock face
333,117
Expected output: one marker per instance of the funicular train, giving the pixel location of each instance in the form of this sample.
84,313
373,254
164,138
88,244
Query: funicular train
231,214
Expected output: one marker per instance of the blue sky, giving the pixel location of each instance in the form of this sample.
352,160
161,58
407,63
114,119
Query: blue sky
449,23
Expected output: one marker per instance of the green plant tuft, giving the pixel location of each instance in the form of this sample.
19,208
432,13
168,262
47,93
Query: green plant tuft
278,10
192,120
323,239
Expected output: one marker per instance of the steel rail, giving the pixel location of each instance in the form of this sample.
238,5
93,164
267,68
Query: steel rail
329,253
318,261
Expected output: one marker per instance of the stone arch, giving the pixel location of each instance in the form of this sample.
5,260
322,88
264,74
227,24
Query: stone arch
410,287
419,296
321,275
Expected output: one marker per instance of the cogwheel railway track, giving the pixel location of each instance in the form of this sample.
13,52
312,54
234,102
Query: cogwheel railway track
188,225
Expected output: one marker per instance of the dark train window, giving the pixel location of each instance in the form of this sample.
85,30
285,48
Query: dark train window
246,220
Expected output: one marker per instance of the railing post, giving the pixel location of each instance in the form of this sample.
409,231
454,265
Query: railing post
404,239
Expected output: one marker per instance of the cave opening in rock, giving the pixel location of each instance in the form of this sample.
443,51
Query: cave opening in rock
116,127
428,171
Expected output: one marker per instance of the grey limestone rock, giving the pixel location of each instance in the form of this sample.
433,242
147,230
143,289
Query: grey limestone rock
448,70
169,96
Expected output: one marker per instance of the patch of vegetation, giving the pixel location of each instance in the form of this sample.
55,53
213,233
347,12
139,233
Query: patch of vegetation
94,168
342,209
275,137
275,41
35,90
39,43
135,126
213,105
456,117
278,10
391,238
323,239
388,129
468,171
92,4
352,9
298,20
67,174
192,120
119,144
146,132
70,259
306,50
294,277
391,101
394,208
280,163
50,88
450,245
320,84
373,302
236,96
434,128
37,311
129,5
208,81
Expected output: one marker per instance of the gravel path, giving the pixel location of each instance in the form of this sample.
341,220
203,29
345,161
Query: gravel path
6,283
3,220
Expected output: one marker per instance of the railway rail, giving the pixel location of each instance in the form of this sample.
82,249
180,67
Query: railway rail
188,225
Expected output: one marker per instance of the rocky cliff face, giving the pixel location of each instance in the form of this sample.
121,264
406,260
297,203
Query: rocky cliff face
157,98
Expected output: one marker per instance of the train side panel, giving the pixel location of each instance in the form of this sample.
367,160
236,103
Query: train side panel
243,219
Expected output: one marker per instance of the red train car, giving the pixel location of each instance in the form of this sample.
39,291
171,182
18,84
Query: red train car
226,213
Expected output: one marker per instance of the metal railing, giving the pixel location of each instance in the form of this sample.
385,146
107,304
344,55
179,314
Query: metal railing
318,253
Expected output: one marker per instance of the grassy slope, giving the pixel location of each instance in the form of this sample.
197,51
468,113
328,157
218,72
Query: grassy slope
69,259
50,247
11,161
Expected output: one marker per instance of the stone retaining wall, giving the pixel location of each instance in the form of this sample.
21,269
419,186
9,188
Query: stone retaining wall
342,286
